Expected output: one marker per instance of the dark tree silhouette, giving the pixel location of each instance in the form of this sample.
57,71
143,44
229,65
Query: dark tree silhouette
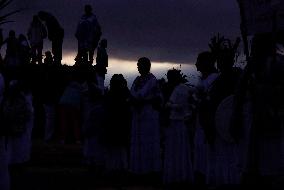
4,17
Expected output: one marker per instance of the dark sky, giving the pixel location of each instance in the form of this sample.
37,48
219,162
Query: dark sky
164,30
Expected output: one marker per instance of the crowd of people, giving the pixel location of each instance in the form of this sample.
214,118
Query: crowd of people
215,133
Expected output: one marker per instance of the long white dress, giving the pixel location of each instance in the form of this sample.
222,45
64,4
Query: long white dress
178,163
145,153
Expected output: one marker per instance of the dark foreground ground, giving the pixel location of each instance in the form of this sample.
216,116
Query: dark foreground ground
55,166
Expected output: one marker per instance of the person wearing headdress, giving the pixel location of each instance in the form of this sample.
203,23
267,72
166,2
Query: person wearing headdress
177,164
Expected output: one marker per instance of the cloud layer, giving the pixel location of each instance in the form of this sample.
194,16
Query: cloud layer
164,30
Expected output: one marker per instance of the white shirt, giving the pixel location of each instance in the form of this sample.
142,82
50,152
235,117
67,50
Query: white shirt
179,102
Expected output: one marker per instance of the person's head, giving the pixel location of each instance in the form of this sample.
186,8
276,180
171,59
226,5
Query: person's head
174,76
117,82
144,65
205,62
103,43
88,9
12,34
48,54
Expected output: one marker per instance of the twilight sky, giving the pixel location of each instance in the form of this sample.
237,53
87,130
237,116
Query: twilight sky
163,30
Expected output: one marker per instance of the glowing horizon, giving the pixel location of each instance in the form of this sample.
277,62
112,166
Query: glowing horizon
129,68
68,59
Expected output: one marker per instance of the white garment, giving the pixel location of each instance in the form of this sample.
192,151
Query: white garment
222,166
206,84
177,164
145,155
224,158
179,102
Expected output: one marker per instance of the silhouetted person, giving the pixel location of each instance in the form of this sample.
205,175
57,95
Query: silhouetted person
225,84
102,56
55,34
24,49
48,58
12,49
51,89
18,115
145,152
100,77
223,147
116,136
88,34
205,65
177,163
36,33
